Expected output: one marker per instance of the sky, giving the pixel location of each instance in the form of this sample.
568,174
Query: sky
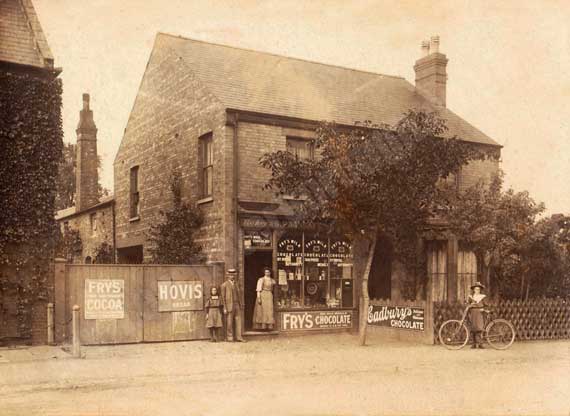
508,70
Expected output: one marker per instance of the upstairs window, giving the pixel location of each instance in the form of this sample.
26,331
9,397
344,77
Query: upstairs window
301,148
206,165
93,223
134,192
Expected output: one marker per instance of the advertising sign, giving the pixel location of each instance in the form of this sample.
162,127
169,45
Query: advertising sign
104,299
401,317
181,295
255,239
312,320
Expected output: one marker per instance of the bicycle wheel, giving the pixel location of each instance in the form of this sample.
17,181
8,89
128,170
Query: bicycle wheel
500,334
453,334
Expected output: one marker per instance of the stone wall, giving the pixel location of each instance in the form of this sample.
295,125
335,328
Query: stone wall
171,111
92,234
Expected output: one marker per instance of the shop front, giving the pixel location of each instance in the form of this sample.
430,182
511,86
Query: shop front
315,288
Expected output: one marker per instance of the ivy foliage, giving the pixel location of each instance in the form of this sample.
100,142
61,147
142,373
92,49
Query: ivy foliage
30,145
172,241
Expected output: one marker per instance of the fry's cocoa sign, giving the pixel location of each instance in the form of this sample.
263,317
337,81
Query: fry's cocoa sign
104,298
402,317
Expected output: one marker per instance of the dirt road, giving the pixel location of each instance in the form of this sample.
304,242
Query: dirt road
311,375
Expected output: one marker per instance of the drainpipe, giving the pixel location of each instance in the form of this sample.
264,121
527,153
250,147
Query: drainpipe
114,233
235,186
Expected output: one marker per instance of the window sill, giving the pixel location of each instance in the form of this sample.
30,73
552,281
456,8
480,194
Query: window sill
292,198
134,219
204,200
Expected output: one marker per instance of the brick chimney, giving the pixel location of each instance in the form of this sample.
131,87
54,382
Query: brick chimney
431,76
86,177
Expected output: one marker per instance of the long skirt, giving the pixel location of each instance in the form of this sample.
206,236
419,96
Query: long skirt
263,317
214,318
477,320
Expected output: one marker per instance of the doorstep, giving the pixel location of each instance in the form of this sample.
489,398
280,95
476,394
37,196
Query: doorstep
260,333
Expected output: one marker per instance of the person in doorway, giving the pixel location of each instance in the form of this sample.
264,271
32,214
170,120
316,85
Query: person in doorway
213,314
263,317
477,304
232,304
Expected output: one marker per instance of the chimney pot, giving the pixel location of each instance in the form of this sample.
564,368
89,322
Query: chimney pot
434,44
425,48
86,101
431,74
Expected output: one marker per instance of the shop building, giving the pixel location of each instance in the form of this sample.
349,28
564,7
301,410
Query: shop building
209,112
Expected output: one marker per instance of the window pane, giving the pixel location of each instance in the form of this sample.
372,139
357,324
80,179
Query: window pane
316,271
299,147
208,181
341,284
290,270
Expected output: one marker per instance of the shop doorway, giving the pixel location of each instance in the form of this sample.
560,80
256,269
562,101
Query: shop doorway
254,262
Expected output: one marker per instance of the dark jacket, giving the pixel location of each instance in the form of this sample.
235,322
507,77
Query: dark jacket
231,296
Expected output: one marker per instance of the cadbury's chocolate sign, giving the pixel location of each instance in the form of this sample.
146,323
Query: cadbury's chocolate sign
401,317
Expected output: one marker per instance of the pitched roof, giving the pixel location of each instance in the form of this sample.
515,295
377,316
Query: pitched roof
265,83
22,40
72,211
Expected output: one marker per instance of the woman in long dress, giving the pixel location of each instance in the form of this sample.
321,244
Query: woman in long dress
263,317
477,304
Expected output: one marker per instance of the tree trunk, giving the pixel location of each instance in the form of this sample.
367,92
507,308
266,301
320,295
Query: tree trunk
522,287
364,250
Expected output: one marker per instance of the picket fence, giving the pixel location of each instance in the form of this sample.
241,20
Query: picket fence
533,319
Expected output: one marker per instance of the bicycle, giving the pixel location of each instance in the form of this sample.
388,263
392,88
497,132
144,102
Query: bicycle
454,334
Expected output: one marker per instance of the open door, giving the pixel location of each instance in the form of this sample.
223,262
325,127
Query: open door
254,262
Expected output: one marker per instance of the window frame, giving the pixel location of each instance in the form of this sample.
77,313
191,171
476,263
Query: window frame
134,192
206,165
309,143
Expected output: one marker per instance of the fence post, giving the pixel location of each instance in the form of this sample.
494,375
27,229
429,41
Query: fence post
50,324
75,324
60,306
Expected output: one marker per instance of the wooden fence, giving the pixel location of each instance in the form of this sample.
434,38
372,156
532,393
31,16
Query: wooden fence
133,303
533,319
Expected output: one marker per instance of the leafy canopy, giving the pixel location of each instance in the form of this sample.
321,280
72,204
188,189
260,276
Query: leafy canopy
525,256
370,179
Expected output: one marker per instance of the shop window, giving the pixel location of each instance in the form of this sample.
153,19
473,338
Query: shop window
134,192
301,148
437,269
314,272
466,273
206,165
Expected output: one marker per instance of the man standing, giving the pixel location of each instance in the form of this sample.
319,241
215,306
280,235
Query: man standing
232,304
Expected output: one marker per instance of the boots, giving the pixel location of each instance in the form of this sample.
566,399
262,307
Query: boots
213,337
474,334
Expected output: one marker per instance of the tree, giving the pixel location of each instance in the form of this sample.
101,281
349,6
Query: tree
501,228
66,180
373,179
173,240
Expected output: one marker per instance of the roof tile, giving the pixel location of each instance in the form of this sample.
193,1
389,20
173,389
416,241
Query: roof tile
261,82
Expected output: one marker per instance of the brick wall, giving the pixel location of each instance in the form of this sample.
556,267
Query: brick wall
91,239
171,111
10,332
476,171
254,141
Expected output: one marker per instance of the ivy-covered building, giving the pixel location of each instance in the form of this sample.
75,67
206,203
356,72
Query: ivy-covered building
88,226
210,112
30,148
